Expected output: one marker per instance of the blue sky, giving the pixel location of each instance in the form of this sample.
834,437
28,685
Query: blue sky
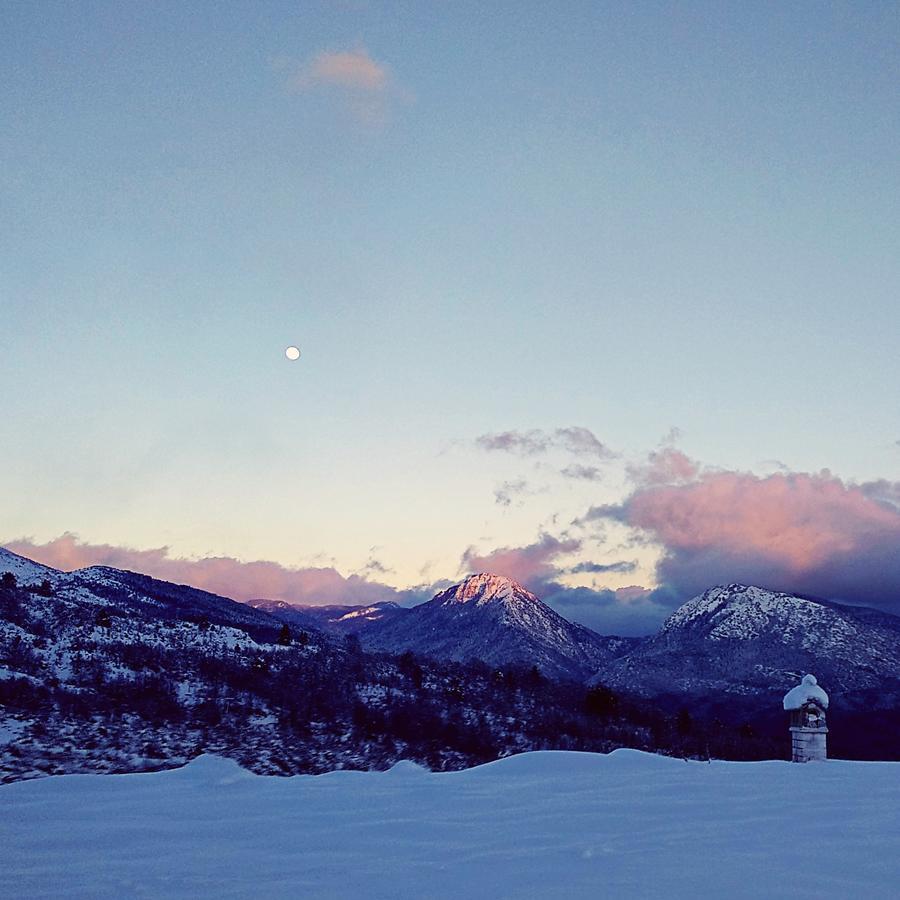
473,220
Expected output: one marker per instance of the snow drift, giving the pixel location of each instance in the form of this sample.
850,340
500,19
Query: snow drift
537,825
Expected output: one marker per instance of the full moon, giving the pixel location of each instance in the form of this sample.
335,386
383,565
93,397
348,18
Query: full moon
292,353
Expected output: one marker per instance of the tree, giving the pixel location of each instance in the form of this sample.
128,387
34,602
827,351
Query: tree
8,581
284,636
44,589
409,667
601,701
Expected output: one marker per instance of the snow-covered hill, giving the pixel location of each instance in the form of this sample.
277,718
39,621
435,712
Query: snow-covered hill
741,639
25,570
494,619
548,825
131,594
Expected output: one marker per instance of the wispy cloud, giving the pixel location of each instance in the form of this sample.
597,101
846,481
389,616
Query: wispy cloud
522,443
511,491
667,465
374,566
601,568
364,86
352,69
582,473
575,439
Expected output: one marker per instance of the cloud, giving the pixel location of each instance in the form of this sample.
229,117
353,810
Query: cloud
581,472
522,443
599,568
352,69
807,533
664,466
374,566
511,490
575,439
629,611
221,575
582,442
532,565
365,86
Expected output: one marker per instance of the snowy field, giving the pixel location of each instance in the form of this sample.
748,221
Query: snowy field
537,825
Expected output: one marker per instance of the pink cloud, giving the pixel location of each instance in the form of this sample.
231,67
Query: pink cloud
364,87
532,565
351,69
799,521
811,533
664,466
221,575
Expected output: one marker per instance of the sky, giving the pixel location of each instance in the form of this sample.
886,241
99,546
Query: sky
600,296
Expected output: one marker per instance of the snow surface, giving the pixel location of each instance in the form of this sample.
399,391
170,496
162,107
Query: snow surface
808,689
561,824
26,571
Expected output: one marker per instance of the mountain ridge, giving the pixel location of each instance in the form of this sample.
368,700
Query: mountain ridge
738,638
732,638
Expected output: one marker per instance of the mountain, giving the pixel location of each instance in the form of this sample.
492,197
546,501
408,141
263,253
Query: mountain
107,670
335,619
739,639
286,612
103,670
494,619
26,571
130,596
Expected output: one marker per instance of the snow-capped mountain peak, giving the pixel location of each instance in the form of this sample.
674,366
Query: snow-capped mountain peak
485,588
495,619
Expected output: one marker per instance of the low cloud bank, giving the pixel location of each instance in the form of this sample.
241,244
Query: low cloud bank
222,575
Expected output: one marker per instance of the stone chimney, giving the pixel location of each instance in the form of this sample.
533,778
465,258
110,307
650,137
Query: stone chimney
807,704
